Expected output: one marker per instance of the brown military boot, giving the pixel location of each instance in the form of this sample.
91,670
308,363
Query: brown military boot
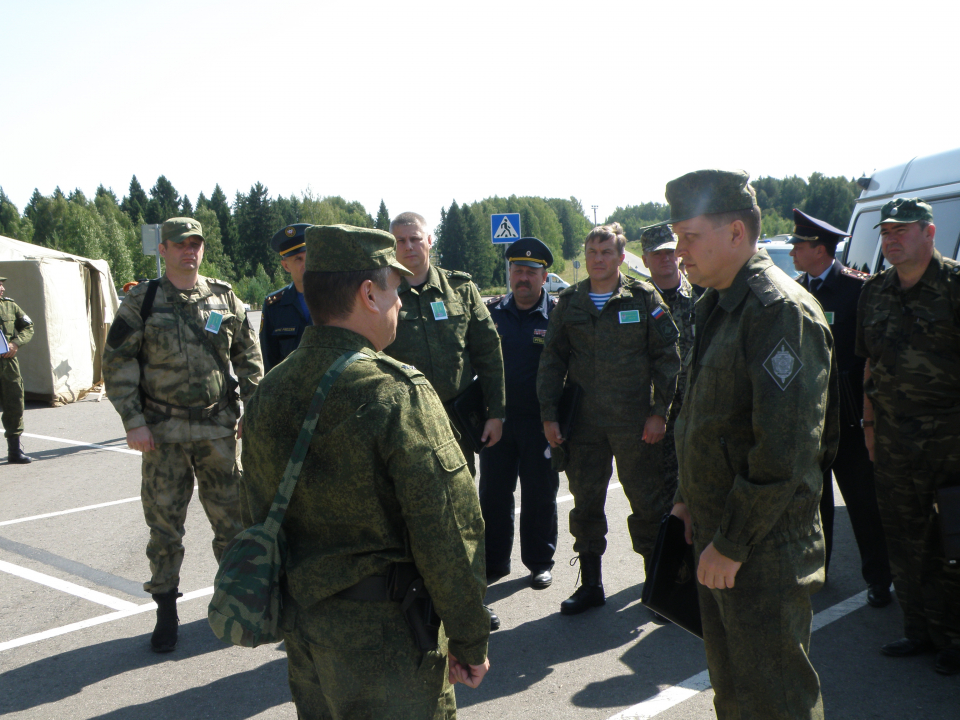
15,453
590,593
164,638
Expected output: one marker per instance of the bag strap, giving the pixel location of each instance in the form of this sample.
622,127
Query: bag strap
295,464
147,306
230,385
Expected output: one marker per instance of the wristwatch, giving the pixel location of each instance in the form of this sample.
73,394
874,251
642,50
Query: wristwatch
866,423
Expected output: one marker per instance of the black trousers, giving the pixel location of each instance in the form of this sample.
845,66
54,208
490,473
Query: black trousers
520,452
854,473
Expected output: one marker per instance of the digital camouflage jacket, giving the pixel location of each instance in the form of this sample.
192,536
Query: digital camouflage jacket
625,358
760,420
445,331
384,481
166,360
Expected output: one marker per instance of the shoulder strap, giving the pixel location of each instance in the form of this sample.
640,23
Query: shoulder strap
230,384
147,306
295,464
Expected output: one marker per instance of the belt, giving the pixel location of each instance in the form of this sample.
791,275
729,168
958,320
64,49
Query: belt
187,413
391,587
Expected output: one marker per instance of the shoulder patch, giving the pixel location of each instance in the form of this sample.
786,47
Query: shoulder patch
458,274
221,283
764,288
119,331
409,371
8,299
783,364
857,274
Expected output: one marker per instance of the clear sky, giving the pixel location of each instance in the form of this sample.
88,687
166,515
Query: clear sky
421,103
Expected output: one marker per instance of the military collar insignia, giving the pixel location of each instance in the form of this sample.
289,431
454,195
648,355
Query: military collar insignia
783,364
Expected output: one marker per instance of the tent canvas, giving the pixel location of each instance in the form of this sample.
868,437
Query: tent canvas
72,302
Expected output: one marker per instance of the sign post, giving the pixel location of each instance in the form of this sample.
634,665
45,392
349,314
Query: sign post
150,234
504,229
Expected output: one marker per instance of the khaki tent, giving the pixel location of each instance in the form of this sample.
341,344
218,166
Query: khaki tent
72,302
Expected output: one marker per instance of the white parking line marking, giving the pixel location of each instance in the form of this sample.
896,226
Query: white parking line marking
67,512
83,444
67,587
84,624
676,694
562,498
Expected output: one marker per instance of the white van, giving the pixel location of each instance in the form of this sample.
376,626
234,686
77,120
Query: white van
935,179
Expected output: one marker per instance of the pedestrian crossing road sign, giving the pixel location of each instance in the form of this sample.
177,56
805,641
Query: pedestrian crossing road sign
505,227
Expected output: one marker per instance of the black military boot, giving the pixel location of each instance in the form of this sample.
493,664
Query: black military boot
15,453
164,637
590,593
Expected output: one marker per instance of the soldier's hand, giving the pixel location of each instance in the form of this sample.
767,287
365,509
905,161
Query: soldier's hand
552,431
140,439
716,571
654,429
12,352
469,675
492,432
680,511
868,439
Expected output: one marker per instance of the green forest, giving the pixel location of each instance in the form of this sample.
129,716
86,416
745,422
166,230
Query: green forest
237,233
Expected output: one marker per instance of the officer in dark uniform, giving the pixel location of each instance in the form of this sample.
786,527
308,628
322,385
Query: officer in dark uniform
838,288
285,313
521,318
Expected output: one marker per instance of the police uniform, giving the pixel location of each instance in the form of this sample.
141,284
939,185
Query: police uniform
912,340
445,331
522,448
757,429
166,368
285,314
384,487
18,329
838,294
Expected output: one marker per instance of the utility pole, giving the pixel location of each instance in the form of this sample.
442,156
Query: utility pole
594,215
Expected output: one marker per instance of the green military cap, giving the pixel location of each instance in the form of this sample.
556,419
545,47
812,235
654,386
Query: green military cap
3,279
345,248
658,237
905,210
179,229
707,192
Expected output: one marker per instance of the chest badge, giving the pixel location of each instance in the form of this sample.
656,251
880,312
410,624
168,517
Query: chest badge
829,317
214,322
629,316
783,364
439,310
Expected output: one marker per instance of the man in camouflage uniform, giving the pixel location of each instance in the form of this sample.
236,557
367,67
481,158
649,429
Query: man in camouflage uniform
384,494
614,337
445,330
758,427
18,330
166,368
658,244
908,329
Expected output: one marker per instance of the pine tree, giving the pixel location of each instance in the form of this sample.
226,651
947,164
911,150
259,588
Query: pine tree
450,249
135,203
383,217
257,222
228,225
164,202
186,208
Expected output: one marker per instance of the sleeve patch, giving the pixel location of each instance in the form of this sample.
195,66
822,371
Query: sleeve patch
119,332
783,364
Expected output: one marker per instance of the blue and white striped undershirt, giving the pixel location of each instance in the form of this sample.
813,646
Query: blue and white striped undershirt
600,299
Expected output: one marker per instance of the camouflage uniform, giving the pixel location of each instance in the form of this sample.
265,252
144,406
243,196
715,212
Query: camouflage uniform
758,426
912,340
148,366
682,301
448,352
625,359
18,328
384,482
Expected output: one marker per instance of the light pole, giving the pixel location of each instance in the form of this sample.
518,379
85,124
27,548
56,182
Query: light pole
594,215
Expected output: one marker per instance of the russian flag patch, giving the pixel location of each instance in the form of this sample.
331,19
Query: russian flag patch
657,312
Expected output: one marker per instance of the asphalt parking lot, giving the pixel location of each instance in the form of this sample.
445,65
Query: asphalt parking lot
75,622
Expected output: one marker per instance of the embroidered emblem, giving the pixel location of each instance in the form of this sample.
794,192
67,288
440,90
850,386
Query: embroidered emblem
783,364
290,231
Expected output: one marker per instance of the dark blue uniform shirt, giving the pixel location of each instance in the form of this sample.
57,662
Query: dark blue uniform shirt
281,325
521,339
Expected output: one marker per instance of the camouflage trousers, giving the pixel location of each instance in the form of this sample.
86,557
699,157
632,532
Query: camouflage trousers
167,486
913,458
757,633
11,397
639,468
668,446
357,660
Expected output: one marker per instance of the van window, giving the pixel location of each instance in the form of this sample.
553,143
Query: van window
863,243
946,216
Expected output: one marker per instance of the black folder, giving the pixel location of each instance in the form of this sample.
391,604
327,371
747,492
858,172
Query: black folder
470,412
948,511
567,410
671,588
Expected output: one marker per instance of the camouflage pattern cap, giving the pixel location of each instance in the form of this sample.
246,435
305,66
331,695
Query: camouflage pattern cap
658,237
3,279
345,248
179,229
905,210
707,192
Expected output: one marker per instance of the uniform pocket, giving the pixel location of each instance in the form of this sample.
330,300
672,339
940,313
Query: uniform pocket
161,338
717,379
450,457
874,331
